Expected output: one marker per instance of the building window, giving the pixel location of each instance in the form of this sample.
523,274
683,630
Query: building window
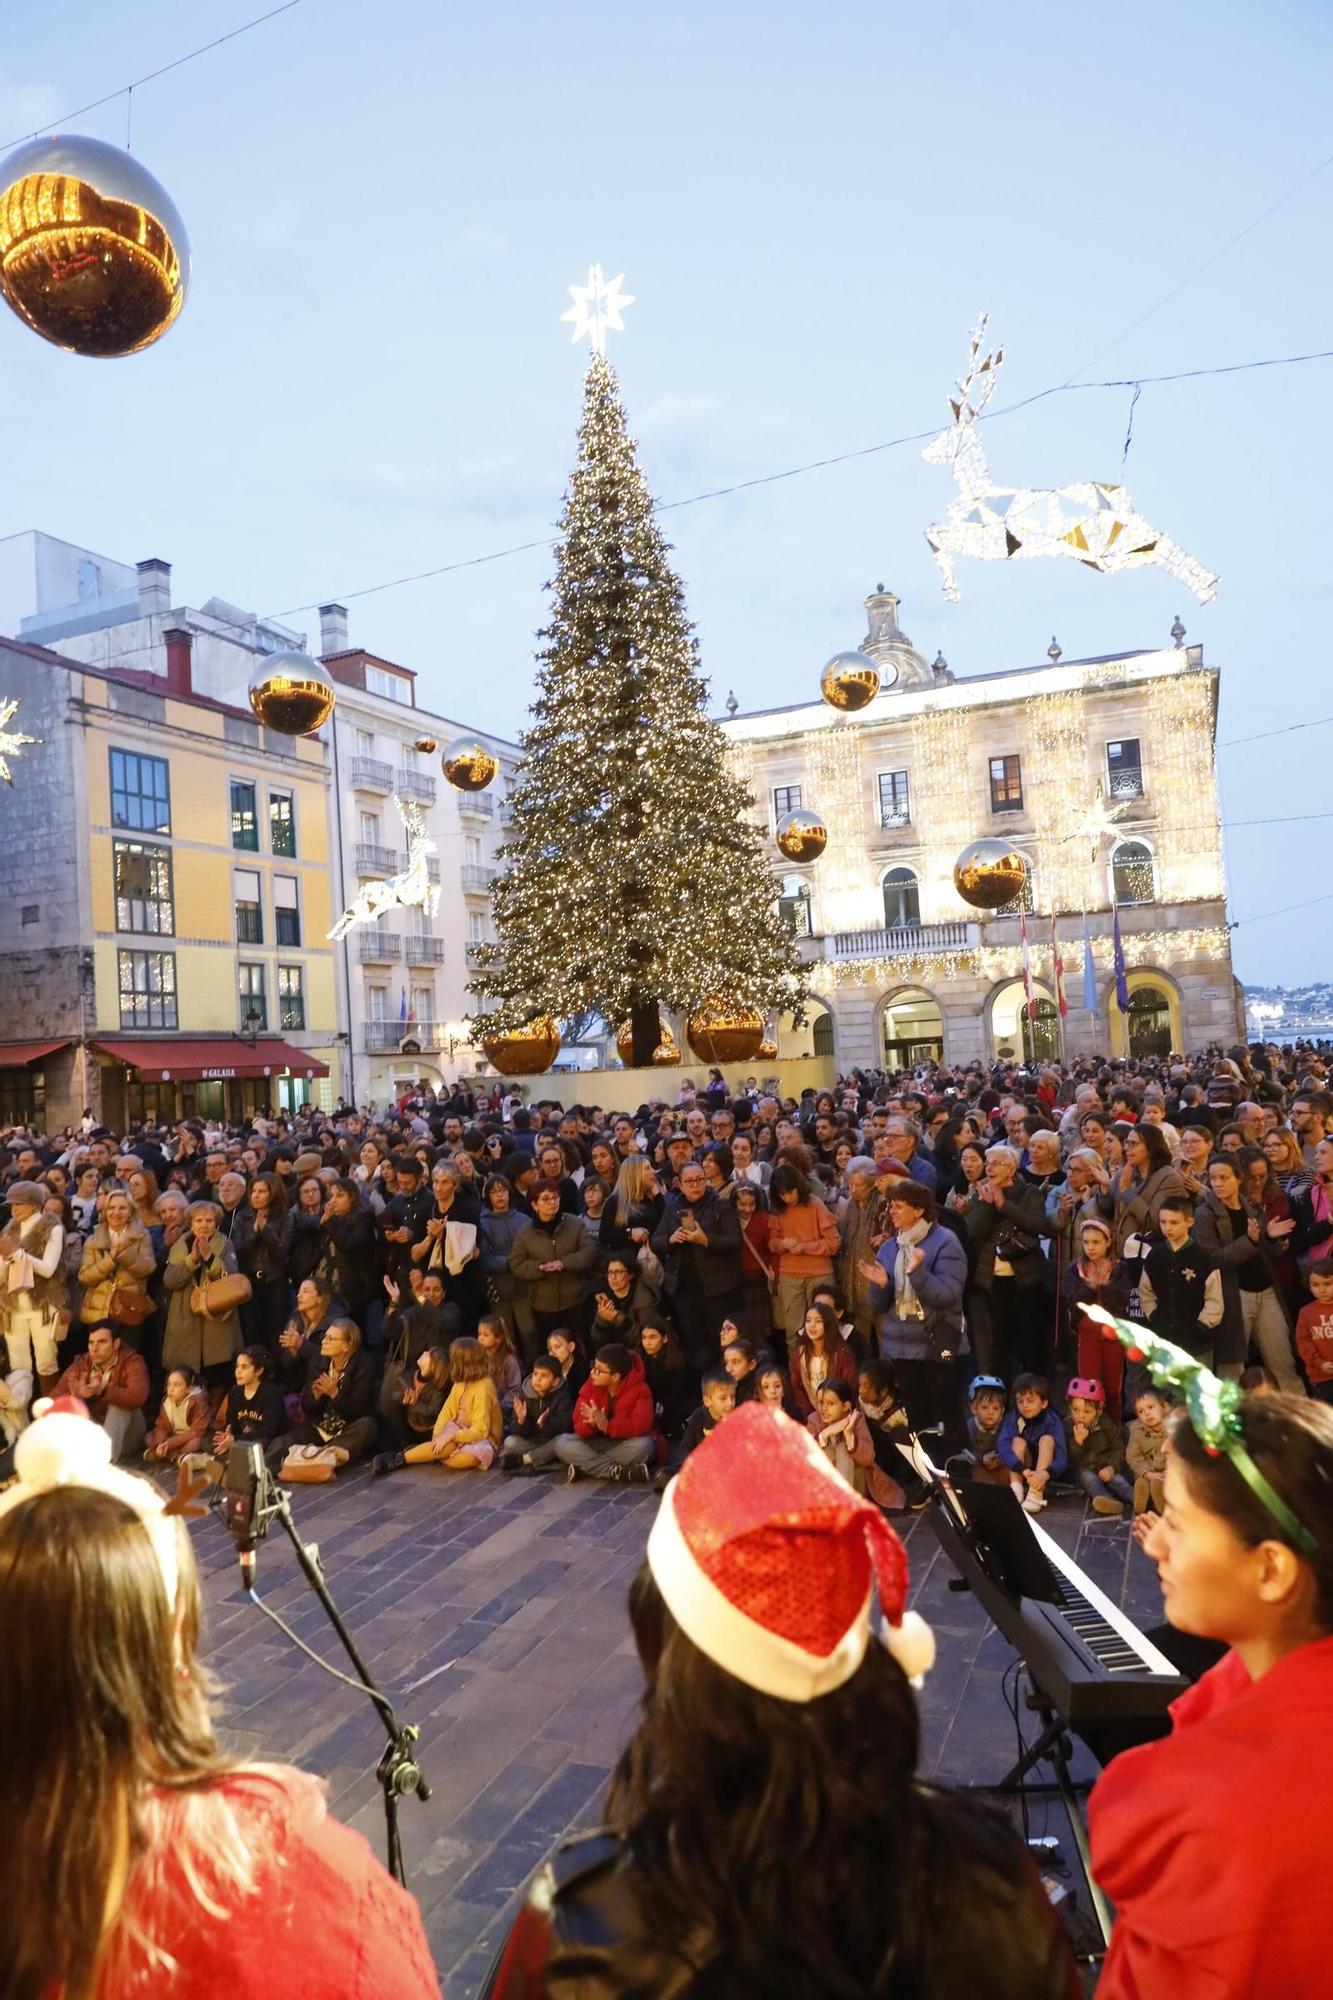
254,1001
249,910
1006,785
902,900
377,1001
244,817
895,806
1124,768
786,799
392,686
1132,873
144,899
281,825
286,911
147,989
423,1004
291,997
476,927
794,905
140,792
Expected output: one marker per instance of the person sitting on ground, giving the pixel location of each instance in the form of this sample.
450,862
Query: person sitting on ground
623,1302
1032,1441
718,1393
841,1432
985,1419
1145,1450
500,1359
338,1400
885,1412
469,1427
300,1340
741,1362
410,1417
179,1870
820,1351
112,1380
542,1412
182,1420
1096,1454
427,1319
669,1375
568,1351
775,1387
615,1435
253,1411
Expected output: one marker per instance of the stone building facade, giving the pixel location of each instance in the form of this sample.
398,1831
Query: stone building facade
1100,772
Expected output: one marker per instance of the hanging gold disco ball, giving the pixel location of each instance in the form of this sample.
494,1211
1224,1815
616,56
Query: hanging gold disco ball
291,693
426,745
989,873
664,1054
767,1050
801,836
469,765
849,681
524,1051
93,253
724,1031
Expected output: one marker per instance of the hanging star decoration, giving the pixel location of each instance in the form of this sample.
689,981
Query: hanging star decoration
12,741
1098,822
1092,522
410,889
597,306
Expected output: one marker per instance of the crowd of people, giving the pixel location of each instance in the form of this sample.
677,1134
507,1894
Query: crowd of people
474,1278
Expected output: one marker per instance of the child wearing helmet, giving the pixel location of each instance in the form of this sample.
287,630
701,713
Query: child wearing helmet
985,1414
1096,1454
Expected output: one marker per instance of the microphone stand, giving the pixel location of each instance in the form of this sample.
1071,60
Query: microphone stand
398,1770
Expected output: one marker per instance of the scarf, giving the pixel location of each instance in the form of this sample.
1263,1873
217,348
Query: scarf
908,1306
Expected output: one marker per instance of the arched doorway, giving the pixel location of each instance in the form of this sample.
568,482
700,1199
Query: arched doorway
1014,1033
911,1029
1149,1022
902,900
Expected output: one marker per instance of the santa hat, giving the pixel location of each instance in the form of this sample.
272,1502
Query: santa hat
63,1447
769,1561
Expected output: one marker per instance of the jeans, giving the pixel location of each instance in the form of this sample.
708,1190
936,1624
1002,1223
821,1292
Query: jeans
125,1428
597,1457
1094,1485
541,1453
1265,1324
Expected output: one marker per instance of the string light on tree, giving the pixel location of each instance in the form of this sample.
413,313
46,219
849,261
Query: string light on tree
634,877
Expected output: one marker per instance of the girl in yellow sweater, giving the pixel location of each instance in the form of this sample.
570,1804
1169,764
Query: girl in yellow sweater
467,1431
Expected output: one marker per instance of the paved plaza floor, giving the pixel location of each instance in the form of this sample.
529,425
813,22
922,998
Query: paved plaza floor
492,1610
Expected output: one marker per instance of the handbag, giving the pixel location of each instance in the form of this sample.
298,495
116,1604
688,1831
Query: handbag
129,1307
219,1298
308,1465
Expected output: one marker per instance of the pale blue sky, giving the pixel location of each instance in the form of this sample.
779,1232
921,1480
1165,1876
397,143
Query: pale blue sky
386,205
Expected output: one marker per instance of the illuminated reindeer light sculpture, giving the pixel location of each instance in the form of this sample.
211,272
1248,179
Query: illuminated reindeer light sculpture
1092,523
411,888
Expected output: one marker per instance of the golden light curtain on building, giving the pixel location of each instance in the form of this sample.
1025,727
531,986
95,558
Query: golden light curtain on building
1186,837
1056,793
992,963
943,803
837,792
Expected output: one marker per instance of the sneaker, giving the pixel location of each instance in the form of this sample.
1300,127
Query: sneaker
615,1474
1033,1503
1106,1503
571,1474
386,1461
638,1475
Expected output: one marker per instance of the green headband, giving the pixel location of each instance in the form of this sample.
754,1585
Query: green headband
1214,1411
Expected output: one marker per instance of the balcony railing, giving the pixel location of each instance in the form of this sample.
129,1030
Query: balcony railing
473,946
378,947
893,820
477,805
476,881
909,939
506,812
425,951
368,775
374,860
387,1037
415,785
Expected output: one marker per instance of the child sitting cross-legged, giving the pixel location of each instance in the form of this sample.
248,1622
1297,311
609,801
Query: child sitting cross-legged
1031,1443
410,1419
719,1400
985,1417
774,1387
1145,1451
182,1421
842,1434
887,1421
467,1431
1096,1455
542,1411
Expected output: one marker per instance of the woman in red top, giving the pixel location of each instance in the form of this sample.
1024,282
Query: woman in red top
803,1240
140,1860
1213,1844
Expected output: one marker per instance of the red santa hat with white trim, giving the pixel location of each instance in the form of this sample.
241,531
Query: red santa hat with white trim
770,1562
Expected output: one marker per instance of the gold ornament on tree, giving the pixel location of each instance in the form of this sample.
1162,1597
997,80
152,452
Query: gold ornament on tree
767,1050
850,681
724,1031
666,1055
663,1055
469,765
801,836
525,1051
291,693
93,253
989,873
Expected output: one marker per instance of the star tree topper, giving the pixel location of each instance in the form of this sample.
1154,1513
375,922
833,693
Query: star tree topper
12,741
597,306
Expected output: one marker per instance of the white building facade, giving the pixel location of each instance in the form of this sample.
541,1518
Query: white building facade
1099,772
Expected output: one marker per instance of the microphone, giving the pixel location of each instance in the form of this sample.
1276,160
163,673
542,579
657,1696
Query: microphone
247,1503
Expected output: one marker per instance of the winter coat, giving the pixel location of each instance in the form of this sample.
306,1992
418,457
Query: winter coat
545,1417
1136,1207
190,1339
475,1408
174,1443
709,1270
1100,1447
306,1247
46,1295
841,1362
989,1228
938,1284
353,1398
1032,1430
535,1245
615,1236
1145,1450
496,1237
861,1469
1223,1232
125,1387
102,1271
630,1412
675,1392
263,1254
350,1258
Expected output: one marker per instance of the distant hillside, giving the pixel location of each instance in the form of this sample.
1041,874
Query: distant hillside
1280,1012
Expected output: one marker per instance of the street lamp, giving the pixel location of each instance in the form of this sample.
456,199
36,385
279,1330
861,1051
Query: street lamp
254,1020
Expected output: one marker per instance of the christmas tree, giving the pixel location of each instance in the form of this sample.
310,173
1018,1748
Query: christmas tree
634,873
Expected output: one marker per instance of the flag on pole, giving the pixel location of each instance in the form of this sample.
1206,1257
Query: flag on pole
402,1011
1059,967
1121,982
1089,970
1028,987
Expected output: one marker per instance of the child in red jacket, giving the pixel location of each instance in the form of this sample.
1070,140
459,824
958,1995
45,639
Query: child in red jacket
1314,1331
614,1435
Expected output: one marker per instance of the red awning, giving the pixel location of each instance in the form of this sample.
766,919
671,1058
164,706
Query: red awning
201,1061
14,1054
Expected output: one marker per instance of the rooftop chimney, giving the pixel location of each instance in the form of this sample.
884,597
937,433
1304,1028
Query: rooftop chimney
180,645
332,628
154,587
